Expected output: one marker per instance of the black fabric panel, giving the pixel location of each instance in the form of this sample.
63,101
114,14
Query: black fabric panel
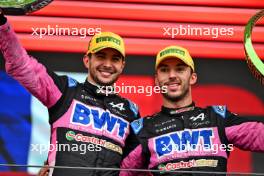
228,72
258,160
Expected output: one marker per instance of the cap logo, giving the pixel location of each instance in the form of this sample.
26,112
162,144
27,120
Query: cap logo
172,50
108,39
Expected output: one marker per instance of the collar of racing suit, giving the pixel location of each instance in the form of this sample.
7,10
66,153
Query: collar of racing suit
100,91
172,111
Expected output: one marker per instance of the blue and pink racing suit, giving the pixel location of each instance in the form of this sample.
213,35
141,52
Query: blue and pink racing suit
191,139
81,115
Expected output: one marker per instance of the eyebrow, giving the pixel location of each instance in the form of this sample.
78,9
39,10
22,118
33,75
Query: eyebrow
182,64
100,52
162,65
103,53
117,55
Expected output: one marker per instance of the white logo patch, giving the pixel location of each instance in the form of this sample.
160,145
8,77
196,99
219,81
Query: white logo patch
120,106
200,116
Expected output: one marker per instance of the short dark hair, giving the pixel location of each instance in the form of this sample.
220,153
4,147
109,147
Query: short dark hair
89,55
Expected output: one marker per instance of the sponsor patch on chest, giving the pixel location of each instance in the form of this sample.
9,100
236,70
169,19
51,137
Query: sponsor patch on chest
184,141
99,120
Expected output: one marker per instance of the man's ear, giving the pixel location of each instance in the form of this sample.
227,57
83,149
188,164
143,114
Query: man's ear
193,78
123,64
86,61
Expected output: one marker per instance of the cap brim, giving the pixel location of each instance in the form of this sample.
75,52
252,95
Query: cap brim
173,56
104,47
167,57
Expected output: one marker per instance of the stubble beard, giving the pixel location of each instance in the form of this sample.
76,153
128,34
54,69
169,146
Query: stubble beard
177,98
101,83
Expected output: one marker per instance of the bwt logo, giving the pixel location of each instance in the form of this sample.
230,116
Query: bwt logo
182,141
99,119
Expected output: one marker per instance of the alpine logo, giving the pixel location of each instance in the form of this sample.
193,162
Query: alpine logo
119,106
200,116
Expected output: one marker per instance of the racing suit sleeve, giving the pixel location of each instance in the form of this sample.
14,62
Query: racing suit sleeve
26,70
136,158
130,144
243,132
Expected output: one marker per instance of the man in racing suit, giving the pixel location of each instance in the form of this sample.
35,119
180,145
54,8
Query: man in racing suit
90,124
182,136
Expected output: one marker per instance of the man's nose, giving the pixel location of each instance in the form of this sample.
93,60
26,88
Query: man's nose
172,74
107,62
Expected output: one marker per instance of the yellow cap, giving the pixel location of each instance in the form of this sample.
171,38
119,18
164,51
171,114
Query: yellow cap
177,52
106,40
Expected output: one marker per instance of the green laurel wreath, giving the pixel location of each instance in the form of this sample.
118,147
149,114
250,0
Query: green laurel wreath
22,7
15,3
255,64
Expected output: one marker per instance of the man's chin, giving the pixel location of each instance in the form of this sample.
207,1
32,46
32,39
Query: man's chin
106,82
172,96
